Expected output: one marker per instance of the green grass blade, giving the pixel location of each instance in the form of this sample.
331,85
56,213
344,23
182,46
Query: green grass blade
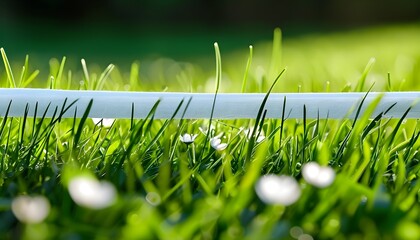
8,68
276,54
86,76
362,80
248,65
258,119
81,124
98,85
218,79
30,78
58,77
135,76
3,123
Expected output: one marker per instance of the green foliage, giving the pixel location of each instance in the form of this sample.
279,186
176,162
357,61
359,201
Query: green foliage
169,189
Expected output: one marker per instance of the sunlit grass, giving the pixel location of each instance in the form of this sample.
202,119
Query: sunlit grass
231,179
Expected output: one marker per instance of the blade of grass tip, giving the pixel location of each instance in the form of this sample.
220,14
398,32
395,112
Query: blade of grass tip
180,128
260,126
359,108
52,82
3,123
346,139
104,75
350,157
275,54
22,135
160,132
316,129
26,65
64,109
257,120
33,139
8,68
85,73
38,127
132,116
396,128
248,65
25,118
22,76
136,134
186,108
362,80
283,111
134,76
81,124
217,80
60,72
410,145
6,148
372,124
389,85
34,120
69,78
30,78
73,126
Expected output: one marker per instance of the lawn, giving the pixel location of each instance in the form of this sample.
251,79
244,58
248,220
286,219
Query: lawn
351,178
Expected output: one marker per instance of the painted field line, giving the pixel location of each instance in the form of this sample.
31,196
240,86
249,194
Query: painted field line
114,104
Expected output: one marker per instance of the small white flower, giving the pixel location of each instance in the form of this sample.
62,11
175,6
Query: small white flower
30,209
217,144
106,122
317,175
273,189
91,193
188,138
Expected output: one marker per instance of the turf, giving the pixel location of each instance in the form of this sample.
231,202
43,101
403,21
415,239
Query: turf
163,185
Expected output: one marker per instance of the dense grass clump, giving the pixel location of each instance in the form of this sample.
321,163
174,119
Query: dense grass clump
230,179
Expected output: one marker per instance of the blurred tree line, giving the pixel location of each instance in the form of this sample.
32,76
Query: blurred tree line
214,12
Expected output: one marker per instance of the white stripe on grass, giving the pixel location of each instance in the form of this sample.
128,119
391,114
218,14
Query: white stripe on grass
115,104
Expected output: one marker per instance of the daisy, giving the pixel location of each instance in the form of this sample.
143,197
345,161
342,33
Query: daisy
30,209
188,138
282,190
217,144
318,176
91,193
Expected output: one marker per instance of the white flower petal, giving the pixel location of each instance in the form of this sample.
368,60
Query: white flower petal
260,138
89,192
273,189
318,176
221,147
30,209
106,122
217,144
188,138
214,142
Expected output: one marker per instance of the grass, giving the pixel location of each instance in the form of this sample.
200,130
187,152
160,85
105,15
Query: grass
160,187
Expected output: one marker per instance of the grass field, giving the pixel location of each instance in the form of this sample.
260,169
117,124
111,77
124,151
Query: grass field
220,179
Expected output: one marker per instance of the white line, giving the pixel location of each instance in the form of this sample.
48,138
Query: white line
113,104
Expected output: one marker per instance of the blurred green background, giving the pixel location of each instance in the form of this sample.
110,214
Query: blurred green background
122,31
